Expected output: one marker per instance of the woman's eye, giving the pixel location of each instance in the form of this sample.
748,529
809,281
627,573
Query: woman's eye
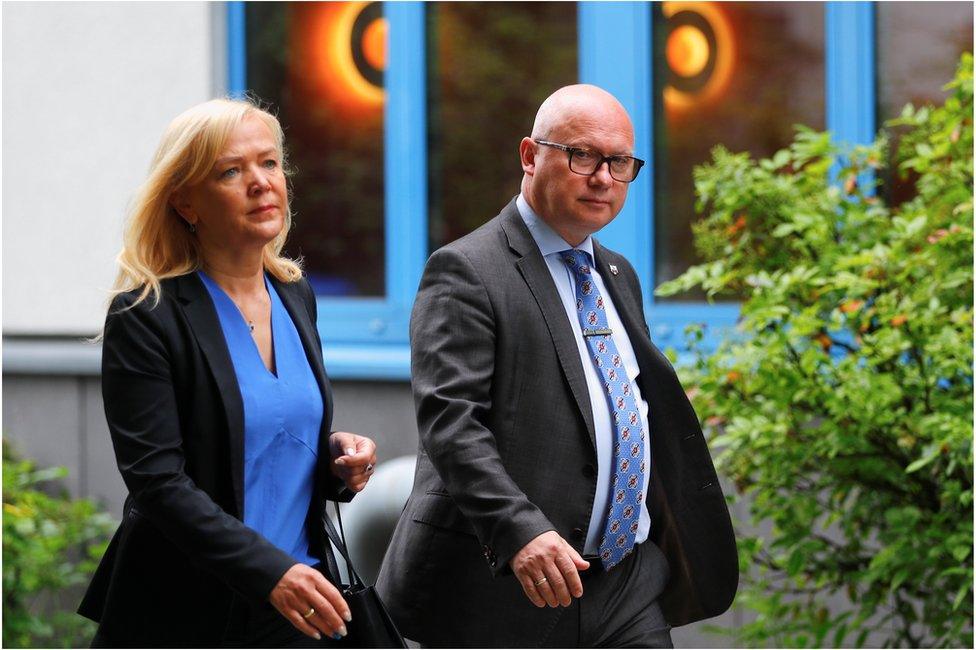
229,173
271,163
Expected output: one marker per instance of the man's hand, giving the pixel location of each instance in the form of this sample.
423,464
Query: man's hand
548,569
311,603
353,458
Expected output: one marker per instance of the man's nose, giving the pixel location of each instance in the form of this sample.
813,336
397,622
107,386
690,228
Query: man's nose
601,176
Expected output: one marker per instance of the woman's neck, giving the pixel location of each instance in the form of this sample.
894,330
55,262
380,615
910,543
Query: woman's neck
236,275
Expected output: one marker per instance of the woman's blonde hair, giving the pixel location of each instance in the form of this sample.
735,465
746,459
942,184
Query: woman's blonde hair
157,244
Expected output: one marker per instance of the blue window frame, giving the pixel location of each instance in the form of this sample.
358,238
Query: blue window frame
367,338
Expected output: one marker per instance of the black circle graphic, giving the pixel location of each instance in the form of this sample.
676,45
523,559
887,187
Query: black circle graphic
692,85
372,11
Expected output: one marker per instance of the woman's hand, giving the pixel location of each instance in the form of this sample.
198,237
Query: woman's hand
353,458
311,603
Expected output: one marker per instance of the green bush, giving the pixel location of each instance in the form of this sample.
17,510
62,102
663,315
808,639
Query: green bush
51,544
843,403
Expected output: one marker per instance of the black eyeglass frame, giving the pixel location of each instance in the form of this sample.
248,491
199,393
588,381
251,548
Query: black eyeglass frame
603,159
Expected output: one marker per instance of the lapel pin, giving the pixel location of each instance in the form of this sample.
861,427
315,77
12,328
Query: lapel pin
613,269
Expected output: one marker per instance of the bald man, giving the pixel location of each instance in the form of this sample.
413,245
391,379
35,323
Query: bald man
564,494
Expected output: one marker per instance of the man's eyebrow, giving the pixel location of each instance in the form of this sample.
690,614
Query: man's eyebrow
589,147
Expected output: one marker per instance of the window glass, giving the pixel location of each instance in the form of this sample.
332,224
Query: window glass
919,45
739,74
490,65
320,64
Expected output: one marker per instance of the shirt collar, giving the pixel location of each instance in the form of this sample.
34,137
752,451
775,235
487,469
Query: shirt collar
548,241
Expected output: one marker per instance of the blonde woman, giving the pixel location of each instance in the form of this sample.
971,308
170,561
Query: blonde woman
219,407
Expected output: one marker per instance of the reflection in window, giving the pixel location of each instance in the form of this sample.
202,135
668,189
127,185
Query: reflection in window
919,45
740,74
321,65
490,65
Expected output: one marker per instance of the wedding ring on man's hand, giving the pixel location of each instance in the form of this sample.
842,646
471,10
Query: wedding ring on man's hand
310,613
541,580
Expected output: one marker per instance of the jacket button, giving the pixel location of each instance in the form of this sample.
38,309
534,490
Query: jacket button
589,471
578,533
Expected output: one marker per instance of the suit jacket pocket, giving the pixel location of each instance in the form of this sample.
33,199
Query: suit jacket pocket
437,509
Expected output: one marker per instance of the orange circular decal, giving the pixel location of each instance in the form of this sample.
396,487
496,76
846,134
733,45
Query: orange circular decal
699,50
346,44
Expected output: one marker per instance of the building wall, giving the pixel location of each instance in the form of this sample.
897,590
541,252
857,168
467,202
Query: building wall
87,90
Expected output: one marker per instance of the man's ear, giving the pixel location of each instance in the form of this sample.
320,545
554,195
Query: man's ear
527,151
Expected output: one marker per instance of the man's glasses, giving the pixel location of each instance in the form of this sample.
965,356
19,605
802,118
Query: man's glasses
586,162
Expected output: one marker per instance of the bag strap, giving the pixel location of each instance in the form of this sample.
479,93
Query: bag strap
339,542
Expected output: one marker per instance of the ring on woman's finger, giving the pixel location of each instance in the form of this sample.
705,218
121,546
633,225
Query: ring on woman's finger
369,468
309,614
541,580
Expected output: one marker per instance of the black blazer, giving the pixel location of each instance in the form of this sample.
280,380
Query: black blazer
507,448
182,553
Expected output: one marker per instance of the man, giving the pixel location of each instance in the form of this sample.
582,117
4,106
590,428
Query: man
546,417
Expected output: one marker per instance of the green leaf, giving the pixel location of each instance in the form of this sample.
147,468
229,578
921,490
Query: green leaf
961,552
932,452
964,591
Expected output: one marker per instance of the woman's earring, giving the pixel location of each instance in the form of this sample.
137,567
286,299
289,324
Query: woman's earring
189,226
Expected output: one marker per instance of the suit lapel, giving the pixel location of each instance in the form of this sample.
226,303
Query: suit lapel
534,270
294,304
202,317
624,298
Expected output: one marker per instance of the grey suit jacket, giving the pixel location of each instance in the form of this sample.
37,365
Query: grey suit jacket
507,448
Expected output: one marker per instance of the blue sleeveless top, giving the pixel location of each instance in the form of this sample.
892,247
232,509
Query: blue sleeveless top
282,418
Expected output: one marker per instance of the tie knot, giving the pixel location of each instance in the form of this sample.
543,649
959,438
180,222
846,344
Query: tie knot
577,260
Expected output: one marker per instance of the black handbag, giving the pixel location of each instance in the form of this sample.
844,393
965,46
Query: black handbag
371,625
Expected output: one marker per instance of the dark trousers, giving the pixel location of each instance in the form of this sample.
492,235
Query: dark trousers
619,608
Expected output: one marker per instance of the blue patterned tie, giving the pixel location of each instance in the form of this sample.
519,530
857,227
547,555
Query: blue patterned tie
627,497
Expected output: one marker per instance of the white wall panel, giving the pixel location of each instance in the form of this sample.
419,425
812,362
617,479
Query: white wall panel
87,90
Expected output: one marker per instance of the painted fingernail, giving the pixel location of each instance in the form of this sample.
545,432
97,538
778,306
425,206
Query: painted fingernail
347,617
318,637
342,630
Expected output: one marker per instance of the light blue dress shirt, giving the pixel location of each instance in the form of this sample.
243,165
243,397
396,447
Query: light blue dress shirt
550,245
282,419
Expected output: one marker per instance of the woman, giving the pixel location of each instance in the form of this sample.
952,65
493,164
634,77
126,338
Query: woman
219,407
